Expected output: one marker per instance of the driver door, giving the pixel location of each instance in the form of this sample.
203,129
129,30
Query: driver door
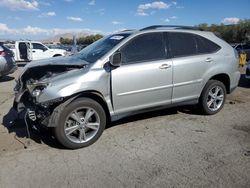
38,51
144,78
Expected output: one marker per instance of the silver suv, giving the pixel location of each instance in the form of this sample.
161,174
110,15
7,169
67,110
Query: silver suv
123,74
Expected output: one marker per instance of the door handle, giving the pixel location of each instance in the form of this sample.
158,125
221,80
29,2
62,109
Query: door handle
33,51
165,66
209,59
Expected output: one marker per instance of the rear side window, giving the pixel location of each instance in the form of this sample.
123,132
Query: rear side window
205,46
182,44
146,47
187,44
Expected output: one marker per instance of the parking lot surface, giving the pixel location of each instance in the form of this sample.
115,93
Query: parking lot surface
168,148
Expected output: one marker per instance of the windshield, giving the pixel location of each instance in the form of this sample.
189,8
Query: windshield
99,48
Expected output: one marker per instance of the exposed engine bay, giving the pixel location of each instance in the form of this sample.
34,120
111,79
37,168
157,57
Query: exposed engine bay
29,86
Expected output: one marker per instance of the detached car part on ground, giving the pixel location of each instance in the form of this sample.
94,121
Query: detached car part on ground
7,63
123,74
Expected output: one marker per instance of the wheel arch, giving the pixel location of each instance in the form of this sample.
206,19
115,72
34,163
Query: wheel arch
98,97
224,78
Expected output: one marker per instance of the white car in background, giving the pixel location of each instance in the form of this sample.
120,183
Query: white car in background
33,50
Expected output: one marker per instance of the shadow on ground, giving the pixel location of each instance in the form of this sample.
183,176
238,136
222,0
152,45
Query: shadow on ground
18,126
6,78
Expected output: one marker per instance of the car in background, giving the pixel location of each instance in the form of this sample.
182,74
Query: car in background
243,47
248,70
33,50
7,63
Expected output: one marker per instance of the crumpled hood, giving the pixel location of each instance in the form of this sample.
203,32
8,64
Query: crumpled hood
68,60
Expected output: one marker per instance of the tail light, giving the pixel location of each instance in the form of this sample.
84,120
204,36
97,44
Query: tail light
2,53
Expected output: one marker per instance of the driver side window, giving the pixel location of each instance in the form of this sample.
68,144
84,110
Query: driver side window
146,47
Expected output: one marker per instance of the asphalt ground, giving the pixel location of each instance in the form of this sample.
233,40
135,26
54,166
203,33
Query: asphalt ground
176,147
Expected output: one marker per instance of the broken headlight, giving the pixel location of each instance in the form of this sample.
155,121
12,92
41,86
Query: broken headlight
35,88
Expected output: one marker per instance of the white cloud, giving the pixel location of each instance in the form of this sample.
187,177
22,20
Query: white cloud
37,31
173,17
141,13
174,2
51,13
157,5
232,20
19,4
47,14
116,23
77,19
34,30
92,2
166,20
4,29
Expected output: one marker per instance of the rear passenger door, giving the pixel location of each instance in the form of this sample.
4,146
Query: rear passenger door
144,78
192,55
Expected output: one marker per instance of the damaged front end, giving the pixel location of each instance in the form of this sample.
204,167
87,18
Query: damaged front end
33,84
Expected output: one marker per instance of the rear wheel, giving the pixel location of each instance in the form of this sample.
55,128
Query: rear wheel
80,123
213,97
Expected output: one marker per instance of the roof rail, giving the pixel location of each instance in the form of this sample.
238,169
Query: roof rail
171,26
127,30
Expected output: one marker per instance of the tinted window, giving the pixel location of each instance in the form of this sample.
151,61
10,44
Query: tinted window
205,46
38,46
146,47
182,44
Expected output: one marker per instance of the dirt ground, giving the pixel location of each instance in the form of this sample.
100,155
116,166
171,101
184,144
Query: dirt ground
168,148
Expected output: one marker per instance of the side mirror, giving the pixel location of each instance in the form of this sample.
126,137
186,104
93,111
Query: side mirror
116,59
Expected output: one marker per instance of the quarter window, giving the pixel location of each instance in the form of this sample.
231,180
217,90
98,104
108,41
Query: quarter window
205,46
146,47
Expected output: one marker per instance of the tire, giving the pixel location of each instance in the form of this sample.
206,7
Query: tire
211,102
75,126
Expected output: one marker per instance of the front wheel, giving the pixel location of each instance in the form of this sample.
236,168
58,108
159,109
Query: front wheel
213,97
80,123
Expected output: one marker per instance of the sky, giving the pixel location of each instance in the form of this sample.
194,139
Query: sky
41,19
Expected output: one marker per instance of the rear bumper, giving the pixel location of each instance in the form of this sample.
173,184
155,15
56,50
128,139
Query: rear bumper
247,75
234,81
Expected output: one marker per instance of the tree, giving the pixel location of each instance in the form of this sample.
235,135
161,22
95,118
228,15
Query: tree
237,33
82,40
